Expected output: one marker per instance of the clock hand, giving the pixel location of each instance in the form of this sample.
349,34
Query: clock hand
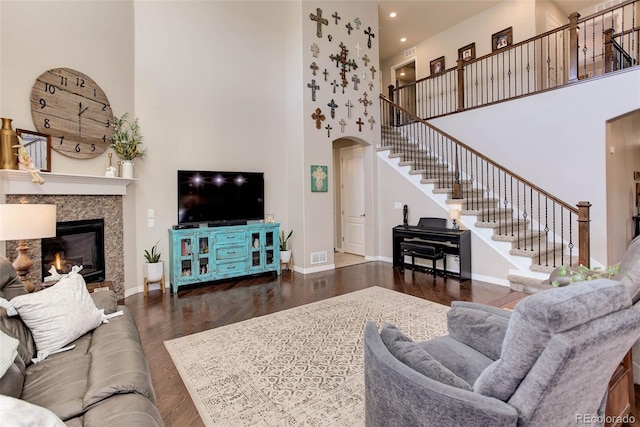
80,109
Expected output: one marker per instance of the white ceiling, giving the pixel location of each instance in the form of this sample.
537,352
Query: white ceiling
419,20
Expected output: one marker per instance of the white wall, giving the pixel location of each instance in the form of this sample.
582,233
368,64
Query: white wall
318,207
519,14
555,139
95,38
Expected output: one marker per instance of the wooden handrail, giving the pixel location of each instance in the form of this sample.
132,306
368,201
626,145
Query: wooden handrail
482,156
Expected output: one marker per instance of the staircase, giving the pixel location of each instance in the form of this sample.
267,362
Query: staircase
508,222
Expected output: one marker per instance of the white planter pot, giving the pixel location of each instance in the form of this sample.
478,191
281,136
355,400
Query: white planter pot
127,169
154,272
285,256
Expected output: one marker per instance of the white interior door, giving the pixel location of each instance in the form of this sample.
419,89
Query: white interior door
353,214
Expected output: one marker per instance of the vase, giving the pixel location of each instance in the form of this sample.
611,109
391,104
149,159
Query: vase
285,256
154,272
127,169
8,139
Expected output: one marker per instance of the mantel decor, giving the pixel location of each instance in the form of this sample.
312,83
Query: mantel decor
502,39
38,145
126,141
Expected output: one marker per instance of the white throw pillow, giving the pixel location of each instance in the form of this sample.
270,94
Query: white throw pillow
58,315
8,352
19,413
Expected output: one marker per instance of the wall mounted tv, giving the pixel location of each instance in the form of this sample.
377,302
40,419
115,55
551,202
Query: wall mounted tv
220,198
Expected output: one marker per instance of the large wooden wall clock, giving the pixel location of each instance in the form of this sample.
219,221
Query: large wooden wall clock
74,110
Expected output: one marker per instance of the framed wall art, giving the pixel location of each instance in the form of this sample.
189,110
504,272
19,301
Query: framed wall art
39,147
468,52
502,39
319,177
437,66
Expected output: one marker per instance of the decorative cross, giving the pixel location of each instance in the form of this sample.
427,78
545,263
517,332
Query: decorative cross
349,105
319,20
357,21
349,28
358,49
326,73
359,123
366,102
372,121
335,85
373,71
370,85
318,117
333,107
364,75
342,124
336,17
313,88
369,34
343,85
328,128
316,50
366,60
355,81
341,60
313,67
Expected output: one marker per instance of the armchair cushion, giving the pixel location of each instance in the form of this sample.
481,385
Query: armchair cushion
418,359
479,326
629,272
539,316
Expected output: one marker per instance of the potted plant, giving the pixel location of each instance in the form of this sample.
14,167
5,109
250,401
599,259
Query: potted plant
125,141
285,253
154,268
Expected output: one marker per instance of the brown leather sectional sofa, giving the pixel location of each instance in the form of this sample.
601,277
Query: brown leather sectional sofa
104,380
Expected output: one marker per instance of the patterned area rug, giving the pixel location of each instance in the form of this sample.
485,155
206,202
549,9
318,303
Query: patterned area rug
298,367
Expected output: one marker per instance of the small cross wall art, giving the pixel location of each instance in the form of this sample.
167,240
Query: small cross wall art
319,177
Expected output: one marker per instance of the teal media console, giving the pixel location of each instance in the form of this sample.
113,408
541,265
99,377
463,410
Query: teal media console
206,254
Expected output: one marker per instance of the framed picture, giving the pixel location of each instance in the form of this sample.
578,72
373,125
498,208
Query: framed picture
39,147
468,52
502,39
437,66
319,177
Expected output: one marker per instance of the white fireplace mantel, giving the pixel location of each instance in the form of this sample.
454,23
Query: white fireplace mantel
19,182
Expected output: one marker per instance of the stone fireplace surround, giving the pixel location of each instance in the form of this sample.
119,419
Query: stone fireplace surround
77,197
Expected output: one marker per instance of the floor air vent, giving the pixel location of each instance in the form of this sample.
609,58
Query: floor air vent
318,257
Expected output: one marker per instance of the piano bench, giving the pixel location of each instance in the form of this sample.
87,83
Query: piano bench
424,251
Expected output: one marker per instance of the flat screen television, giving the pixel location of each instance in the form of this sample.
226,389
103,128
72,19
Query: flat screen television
220,198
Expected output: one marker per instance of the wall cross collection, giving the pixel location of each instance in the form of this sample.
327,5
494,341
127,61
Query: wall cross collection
344,64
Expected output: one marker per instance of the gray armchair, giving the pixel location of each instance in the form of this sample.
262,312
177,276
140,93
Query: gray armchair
546,363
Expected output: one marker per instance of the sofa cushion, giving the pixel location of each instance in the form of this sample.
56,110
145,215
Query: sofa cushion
479,326
59,383
105,300
59,314
406,351
118,363
539,316
15,327
8,352
11,366
10,284
17,413
629,272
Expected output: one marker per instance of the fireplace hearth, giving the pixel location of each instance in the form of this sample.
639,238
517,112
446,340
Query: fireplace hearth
76,243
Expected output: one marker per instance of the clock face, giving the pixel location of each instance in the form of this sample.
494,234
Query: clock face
74,110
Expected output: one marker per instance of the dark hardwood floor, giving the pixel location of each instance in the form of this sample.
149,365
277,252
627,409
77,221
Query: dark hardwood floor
204,307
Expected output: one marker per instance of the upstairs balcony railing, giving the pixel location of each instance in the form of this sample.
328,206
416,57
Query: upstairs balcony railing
553,231
584,48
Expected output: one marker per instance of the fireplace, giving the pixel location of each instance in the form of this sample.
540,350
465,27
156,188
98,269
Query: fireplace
76,243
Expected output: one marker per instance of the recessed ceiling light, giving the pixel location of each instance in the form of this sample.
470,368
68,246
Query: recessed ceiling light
404,39
392,15
402,73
